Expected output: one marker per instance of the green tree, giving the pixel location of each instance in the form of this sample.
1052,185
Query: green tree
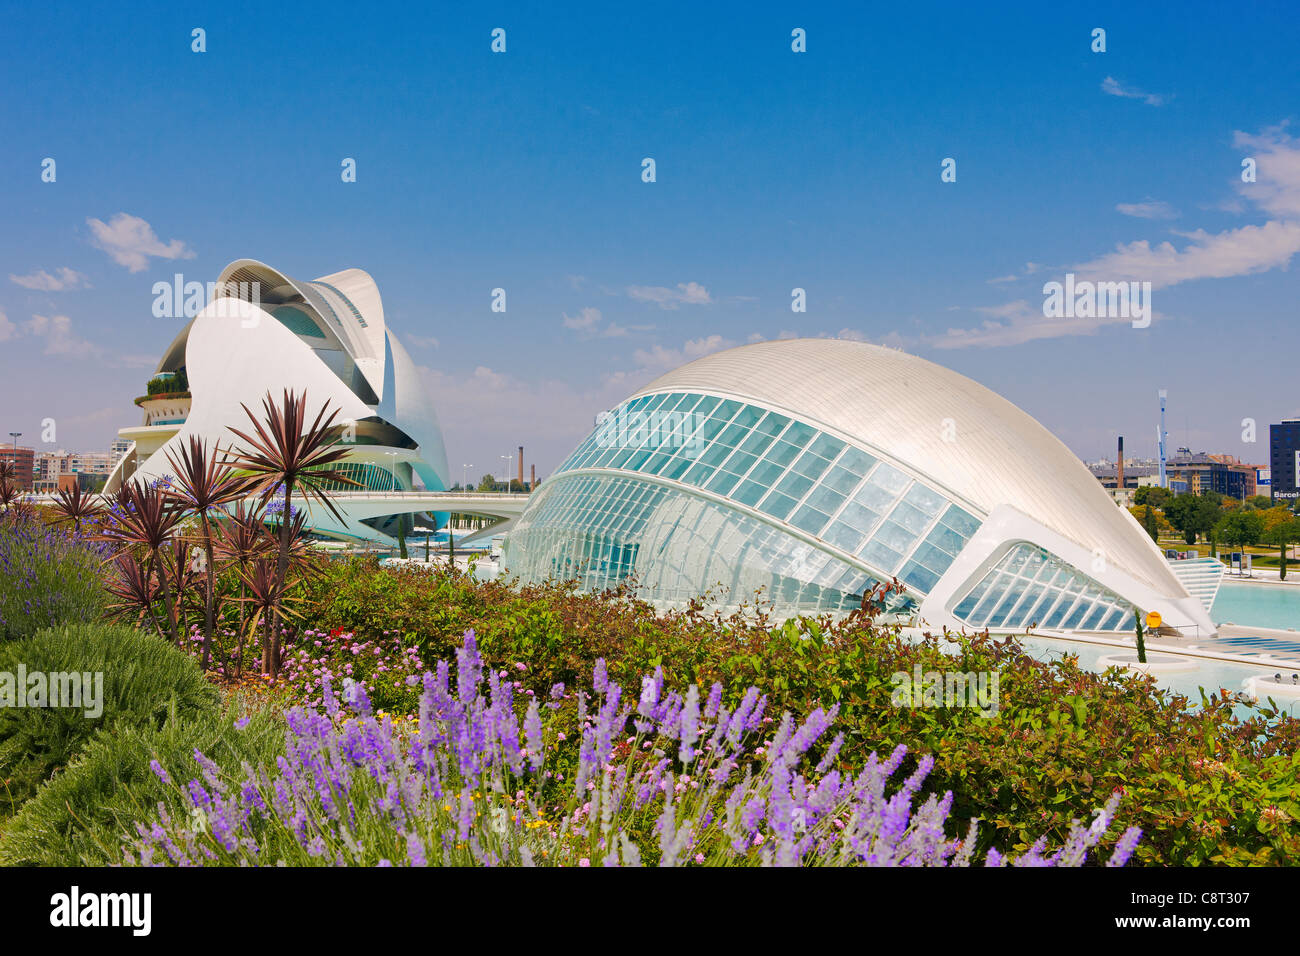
1259,502
1149,523
1240,528
1283,535
486,483
1152,495
1194,515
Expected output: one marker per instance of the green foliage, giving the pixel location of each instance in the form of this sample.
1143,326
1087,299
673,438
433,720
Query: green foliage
1194,515
1240,528
47,577
1152,495
1149,523
83,815
144,679
1205,785
1283,535
167,385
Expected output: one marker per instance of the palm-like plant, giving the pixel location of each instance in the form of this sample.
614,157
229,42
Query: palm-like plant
241,540
9,490
136,589
205,484
73,504
290,454
148,519
267,592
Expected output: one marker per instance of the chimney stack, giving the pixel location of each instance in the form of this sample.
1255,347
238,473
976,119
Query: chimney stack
532,477
1119,465
521,467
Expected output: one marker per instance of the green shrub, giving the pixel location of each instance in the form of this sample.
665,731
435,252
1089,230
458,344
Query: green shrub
144,679
82,816
48,576
1206,786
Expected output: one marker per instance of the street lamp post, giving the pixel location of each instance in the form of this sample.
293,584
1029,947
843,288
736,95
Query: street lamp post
509,460
464,476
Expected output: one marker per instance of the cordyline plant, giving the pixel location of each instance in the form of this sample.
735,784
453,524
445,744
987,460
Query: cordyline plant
289,455
204,485
241,540
673,779
76,506
146,518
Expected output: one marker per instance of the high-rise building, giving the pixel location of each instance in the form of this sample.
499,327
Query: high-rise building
1284,459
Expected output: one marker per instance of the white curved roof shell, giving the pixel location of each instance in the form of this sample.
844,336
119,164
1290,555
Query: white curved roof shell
236,351
907,408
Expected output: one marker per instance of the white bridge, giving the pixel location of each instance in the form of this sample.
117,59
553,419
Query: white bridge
358,506
506,507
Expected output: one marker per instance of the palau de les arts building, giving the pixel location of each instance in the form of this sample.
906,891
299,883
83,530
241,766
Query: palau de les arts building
264,332
800,473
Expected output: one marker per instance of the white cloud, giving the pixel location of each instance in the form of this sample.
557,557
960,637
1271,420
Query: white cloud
1277,158
7,329
686,293
657,358
584,321
588,323
44,282
1114,87
1233,252
131,242
1014,323
1148,209
1248,250
1030,269
59,338
422,341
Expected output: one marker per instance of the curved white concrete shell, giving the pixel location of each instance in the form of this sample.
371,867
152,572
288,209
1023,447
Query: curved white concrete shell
265,331
816,467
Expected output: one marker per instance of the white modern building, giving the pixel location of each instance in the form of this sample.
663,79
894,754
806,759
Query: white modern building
264,332
806,471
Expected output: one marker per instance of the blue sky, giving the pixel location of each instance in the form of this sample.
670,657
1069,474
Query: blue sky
775,170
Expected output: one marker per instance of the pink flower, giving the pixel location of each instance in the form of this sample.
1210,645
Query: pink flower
699,858
584,862
520,665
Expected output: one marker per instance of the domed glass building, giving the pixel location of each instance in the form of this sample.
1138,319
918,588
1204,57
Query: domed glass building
803,472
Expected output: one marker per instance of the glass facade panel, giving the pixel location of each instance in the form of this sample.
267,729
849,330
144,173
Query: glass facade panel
1030,587
789,471
606,530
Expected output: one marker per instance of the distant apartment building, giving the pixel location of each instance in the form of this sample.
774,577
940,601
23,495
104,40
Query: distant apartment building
1123,476
1284,459
23,462
1186,473
53,469
1220,473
